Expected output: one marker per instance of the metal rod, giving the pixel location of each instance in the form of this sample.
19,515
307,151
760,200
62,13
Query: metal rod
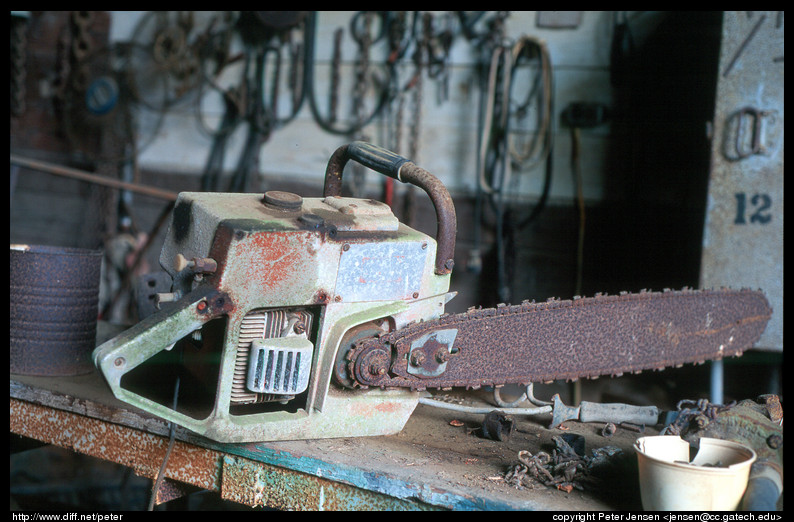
69,172
475,410
716,381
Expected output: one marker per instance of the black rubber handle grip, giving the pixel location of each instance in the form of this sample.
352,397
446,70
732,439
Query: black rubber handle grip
376,158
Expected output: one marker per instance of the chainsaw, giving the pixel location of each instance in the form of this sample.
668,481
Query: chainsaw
303,318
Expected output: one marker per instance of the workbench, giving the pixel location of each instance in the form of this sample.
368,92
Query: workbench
438,461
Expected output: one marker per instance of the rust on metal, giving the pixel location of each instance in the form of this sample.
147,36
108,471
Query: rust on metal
143,452
53,313
171,489
609,429
236,478
333,172
445,213
570,339
256,484
748,423
773,407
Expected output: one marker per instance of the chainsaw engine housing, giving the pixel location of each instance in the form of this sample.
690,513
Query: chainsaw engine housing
265,291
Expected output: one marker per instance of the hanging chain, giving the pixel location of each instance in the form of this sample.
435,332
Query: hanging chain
364,39
19,40
81,47
418,87
336,64
362,69
415,131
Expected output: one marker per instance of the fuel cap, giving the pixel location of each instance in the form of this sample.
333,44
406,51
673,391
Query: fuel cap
282,200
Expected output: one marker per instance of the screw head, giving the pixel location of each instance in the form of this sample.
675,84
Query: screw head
774,441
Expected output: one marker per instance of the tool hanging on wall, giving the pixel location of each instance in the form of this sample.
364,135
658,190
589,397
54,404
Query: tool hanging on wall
256,118
255,102
375,93
330,122
416,85
499,155
362,34
19,35
430,56
94,116
439,44
400,35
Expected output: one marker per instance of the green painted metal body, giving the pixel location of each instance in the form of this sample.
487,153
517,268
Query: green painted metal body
343,261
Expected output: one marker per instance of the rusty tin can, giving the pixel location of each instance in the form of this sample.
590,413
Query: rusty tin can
53,314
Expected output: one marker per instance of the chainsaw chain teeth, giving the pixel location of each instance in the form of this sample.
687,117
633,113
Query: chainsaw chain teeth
585,337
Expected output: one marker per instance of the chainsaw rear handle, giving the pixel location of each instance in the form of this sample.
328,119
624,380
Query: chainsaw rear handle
395,166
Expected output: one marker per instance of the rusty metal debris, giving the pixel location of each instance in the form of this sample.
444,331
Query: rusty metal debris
757,425
564,468
694,415
497,426
630,426
773,407
609,429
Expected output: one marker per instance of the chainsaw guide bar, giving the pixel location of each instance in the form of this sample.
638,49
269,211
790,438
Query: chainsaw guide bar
563,339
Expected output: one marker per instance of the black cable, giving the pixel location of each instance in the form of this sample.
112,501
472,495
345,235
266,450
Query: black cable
171,440
495,152
214,166
544,196
324,123
259,120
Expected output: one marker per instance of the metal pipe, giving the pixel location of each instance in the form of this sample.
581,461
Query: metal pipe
716,381
69,172
477,410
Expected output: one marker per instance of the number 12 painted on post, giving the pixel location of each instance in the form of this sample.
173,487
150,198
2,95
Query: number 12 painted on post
759,211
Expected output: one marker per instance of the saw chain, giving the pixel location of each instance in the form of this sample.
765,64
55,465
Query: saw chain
562,339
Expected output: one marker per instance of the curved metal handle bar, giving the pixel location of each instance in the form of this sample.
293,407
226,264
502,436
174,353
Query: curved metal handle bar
395,166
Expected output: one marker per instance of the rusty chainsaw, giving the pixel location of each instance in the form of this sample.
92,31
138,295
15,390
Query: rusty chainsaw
302,318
